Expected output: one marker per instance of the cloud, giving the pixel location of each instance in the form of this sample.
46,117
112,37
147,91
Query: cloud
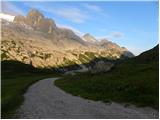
92,7
73,14
117,34
7,17
10,8
79,33
70,13
112,36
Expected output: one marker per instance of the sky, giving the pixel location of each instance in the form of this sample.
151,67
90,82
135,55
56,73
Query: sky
130,24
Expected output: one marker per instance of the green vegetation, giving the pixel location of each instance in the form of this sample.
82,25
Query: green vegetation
68,62
83,58
3,55
16,78
132,81
87,57
91,55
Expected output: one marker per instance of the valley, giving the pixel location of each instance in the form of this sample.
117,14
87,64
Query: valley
50,71
119,84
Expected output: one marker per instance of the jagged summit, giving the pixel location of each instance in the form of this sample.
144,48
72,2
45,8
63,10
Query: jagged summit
37,21
33,13
104,40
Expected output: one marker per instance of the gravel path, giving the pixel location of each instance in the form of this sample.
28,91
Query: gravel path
73,72
44,100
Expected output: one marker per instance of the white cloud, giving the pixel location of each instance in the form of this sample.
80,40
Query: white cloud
68,12
117,34
73,14
9,8
92,7
112,35
79,33
7,17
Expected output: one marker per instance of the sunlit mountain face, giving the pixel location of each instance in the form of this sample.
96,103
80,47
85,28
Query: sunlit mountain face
35,39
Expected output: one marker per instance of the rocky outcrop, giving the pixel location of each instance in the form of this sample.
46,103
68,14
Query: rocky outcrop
34,17
20,19
89,38
101,66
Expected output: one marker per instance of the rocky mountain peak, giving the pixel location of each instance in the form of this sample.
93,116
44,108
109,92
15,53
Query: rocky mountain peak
89,38
33,17
37,21
34,13
104,41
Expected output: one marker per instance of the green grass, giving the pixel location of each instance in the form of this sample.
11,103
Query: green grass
68,62
86,57
91,55
83,58
133,81
16,78
3,54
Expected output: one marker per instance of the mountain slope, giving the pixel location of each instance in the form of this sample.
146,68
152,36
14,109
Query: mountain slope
35,39
150,55
132,81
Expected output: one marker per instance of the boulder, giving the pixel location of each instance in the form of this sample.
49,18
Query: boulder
101,66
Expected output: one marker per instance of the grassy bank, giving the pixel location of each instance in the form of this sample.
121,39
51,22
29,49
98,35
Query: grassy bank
133,81
16,78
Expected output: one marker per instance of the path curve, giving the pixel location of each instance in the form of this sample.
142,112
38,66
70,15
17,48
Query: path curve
44,100
73,72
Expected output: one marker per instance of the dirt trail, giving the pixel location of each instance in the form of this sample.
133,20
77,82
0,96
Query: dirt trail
73,72
44,100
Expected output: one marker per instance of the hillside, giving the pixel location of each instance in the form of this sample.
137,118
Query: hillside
36,40
131,81
150,55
